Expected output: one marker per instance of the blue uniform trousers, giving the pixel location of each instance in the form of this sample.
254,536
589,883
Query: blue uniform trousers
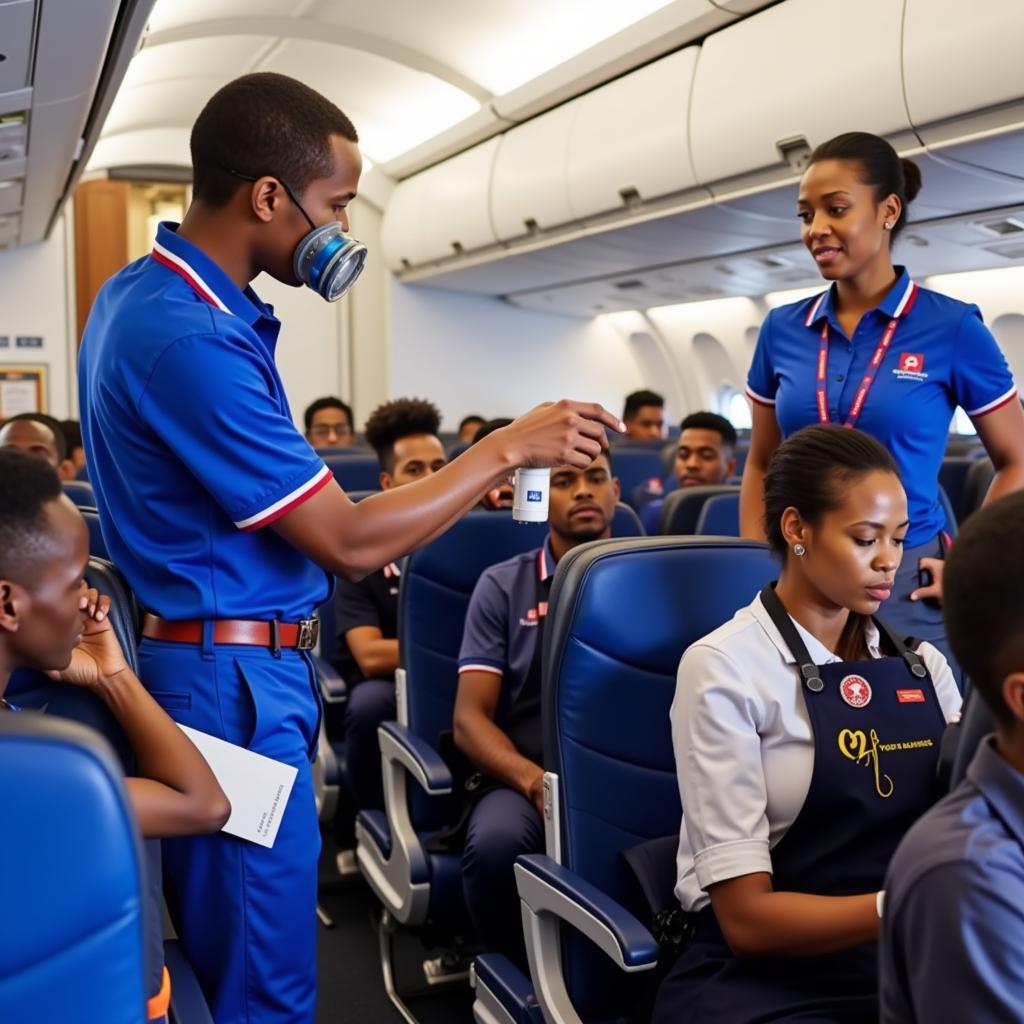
370,702
920,619
246,915
502,825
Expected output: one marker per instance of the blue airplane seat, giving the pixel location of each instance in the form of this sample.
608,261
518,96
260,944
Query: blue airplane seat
626,522
953,479
720,516
97,545
359,472
72,941
455,450
650,515
681,509
975,724
620,616
947,506
979,479
80,492
83,473
416,884
635,465
61,701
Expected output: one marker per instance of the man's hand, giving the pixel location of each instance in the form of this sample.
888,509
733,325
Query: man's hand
559,434
98,657
936,566
535,791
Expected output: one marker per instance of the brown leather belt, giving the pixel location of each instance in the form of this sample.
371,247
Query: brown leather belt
301,636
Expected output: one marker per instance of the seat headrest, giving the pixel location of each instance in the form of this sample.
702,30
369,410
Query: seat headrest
682,508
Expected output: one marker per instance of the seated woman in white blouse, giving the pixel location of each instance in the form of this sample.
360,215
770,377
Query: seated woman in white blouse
806,739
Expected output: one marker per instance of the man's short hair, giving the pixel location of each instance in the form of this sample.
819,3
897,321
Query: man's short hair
638,399
983,600
471,418
326,403
51,423
27,484
490,427
711,421
264,123
72,431
403,417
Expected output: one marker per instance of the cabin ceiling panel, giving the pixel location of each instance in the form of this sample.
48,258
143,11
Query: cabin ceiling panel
162,104
500,43
195,58
393,107
174,13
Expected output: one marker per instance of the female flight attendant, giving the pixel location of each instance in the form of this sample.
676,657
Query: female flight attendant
881,353
806,738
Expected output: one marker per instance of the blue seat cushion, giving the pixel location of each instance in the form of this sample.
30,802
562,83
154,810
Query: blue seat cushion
509,986
375,823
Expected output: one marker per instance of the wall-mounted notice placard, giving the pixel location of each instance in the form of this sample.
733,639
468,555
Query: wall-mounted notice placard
22,389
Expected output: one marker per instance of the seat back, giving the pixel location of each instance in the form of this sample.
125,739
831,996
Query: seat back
436,585
979,479
720,516
626,522
72,932
620,617
975,724
953,477
682,508
636,464
359,472
97,545
80,492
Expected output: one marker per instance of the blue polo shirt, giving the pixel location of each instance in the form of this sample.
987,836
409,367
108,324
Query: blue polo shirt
942,356
500,635
952,944
191,445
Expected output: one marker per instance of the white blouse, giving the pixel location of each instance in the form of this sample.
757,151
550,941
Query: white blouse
744,747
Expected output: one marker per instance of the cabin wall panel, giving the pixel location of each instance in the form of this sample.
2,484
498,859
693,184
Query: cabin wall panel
472,354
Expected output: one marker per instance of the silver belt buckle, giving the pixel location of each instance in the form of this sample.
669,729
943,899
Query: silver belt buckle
309,634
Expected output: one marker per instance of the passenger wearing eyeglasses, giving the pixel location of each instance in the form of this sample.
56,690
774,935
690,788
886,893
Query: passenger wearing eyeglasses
329,424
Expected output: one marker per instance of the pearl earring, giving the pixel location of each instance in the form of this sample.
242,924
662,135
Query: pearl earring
888,226
799,550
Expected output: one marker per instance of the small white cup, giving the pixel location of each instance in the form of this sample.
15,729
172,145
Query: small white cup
530,500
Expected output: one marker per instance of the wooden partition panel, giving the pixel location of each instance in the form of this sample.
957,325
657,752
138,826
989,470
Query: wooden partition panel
101,239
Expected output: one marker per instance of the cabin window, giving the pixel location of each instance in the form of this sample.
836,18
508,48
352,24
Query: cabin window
735,407
962,423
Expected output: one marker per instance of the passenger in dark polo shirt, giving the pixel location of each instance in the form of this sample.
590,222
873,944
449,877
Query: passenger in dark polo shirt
404,435
952,945
497,709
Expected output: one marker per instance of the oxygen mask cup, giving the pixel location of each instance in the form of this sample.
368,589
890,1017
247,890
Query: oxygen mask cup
329,261
530,498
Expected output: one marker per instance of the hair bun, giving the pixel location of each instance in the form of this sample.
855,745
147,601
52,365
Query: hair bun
912,179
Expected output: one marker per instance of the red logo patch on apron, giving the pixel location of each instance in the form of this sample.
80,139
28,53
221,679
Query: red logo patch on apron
910,696
856,691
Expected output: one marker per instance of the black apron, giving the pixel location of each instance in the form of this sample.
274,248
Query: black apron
877,727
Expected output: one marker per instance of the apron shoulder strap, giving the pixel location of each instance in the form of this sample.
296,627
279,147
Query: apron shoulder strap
784,624
904,649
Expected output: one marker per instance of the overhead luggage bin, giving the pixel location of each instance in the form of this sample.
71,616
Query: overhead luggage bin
772,87
441,212
628,144
976,114
15,44
529,190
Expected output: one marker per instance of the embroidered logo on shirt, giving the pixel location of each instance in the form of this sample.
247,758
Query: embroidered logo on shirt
910,367
910,696
856,691
534,615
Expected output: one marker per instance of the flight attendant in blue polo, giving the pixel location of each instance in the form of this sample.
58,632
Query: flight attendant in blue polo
229,526
806,738
879,352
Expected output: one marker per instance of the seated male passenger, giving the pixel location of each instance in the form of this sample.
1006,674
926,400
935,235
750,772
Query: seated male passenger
644,416
503,495
74,457
50,621
36,433
705,454
953,927
329,424
497,708
806,738
468,428
404,435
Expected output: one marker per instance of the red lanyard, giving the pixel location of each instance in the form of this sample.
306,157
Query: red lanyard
872,371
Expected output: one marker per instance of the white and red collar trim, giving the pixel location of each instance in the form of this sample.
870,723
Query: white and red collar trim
174,262
903,306
542,565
